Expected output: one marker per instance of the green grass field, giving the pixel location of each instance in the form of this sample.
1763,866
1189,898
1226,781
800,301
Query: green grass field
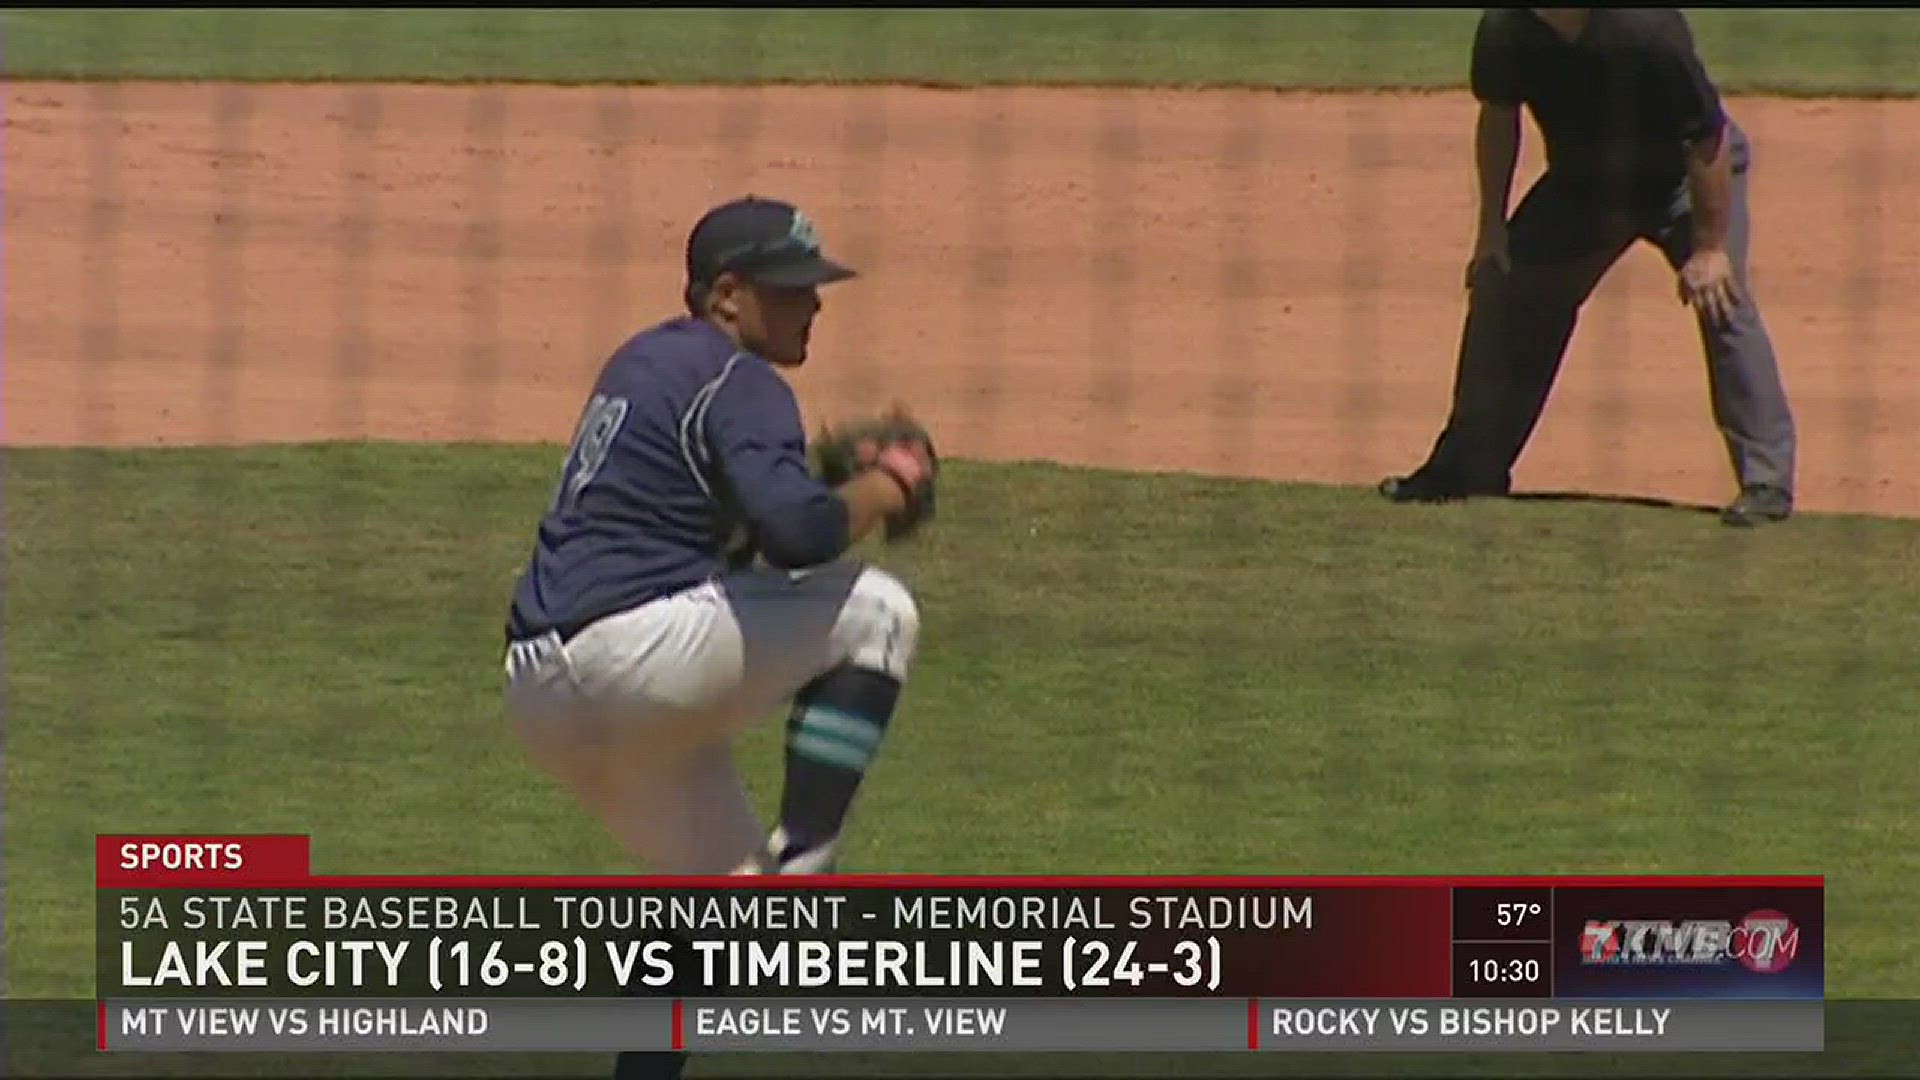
1120,673
1787,51
1291,680
1280,679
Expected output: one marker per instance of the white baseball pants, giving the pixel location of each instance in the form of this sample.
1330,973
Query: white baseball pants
637,712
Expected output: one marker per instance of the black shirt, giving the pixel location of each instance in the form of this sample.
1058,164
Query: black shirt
1617,108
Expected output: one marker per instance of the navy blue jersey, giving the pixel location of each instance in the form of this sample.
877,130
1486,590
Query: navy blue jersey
689,459
1617,108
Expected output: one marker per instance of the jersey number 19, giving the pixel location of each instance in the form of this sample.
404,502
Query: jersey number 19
591,444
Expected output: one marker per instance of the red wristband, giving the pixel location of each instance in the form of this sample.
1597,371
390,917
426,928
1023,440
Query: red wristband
886,461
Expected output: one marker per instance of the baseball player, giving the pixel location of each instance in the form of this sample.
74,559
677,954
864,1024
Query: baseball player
687,578
642,636
1638,147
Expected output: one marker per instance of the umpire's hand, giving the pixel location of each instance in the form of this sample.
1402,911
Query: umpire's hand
1707,283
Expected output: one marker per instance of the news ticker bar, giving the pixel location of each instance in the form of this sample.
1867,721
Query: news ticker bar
959,1024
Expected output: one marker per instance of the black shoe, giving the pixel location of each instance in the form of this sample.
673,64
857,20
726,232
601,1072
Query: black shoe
782,855
1758,504
1425,486
792,857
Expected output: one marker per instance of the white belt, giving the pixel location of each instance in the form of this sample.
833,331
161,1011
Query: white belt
530,655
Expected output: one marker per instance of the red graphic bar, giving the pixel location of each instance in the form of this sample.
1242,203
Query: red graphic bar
1411,937
136,862
100,1026
679,1024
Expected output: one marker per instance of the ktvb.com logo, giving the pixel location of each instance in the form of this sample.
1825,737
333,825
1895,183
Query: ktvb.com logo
1764,942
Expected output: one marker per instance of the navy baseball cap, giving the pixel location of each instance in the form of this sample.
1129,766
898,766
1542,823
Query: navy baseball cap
763,240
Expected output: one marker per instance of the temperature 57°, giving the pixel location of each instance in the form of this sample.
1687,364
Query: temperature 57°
1516,914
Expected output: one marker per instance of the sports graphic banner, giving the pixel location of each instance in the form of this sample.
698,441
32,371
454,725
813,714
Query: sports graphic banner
230,943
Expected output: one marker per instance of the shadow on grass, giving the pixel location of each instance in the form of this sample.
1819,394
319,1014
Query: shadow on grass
1647,501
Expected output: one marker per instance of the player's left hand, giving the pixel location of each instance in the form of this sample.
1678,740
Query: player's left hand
896,442
1707,283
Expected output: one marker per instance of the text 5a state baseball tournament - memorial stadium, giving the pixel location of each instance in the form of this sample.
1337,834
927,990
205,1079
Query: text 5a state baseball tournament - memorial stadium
616,911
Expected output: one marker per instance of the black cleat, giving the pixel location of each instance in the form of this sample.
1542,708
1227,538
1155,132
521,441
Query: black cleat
1758,504
1424,486
782,855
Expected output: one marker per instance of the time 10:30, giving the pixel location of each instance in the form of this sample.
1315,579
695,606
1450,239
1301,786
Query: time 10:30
1507,971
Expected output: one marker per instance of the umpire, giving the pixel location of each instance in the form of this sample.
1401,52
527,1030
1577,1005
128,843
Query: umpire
1638,147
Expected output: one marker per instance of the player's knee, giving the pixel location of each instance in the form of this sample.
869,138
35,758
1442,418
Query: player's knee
886,622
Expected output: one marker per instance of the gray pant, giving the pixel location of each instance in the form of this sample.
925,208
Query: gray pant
1518,325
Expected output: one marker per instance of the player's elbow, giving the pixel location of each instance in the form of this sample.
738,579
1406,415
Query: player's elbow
1707,142
804,533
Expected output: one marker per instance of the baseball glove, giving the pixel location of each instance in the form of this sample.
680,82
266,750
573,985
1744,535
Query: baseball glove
840,454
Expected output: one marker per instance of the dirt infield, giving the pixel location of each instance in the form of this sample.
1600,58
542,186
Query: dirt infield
1247,283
